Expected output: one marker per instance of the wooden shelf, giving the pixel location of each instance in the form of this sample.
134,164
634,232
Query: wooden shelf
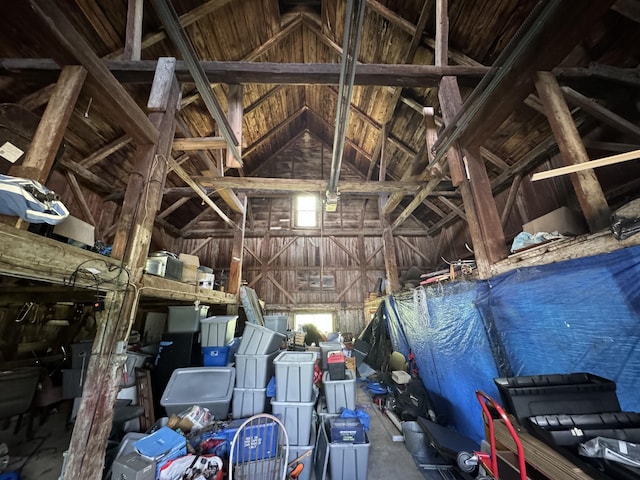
27,255
160,287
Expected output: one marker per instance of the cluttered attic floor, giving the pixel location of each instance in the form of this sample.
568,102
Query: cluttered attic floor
41,457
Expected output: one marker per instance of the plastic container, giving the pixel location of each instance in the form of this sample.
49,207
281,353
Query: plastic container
297,418
296,451
248,402
258,340
184,319
348,461
209,387
215,356
325,348
573,393
278,323
340,393
254,371
217,331
262,444
294,376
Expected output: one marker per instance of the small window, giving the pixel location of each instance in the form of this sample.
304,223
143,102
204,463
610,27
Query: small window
322,321
306,211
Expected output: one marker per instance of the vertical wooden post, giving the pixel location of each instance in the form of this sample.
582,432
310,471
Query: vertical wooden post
237,251
234,115
133,39
389,251
486,221
144,192
585,183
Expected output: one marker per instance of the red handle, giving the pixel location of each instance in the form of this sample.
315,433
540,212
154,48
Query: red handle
485,399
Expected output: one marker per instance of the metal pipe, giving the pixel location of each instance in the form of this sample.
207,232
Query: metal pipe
354,16
176,33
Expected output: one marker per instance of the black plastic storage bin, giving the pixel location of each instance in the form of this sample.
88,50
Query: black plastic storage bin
571,393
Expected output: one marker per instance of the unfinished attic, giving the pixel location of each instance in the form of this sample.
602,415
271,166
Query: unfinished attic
449,187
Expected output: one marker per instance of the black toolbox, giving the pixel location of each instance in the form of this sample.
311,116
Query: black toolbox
571,393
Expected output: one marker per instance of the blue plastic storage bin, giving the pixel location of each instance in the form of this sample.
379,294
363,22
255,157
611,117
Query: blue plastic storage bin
215,356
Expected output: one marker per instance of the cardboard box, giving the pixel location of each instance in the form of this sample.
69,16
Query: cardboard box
562,220
189,274
350,363
189,259
76,231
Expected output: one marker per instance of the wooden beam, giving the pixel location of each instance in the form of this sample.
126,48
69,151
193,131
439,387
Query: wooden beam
38,98
94,420
585,183
166,289
234,116
389,251
543,46
281,288
129,115
301,233
282,250
229,72
345,250
263,184
42,151
511,198
474,177
133,36
601,113
79,196
173,207
415,202
588,164
457,210
95,181
194,221
105,151
442,33
198,189
628,8
200,246
237,250
199,143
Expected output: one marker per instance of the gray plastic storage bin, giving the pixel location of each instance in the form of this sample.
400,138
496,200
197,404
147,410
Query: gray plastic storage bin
297,418
248,401
294,376
296,451
325,348
184,319
340,393
254,371
209,387
218,331
277,323
258,340
348,461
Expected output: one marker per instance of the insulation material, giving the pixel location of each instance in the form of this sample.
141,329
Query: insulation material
575,316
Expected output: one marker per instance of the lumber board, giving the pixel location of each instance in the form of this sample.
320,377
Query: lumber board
601,162
540,456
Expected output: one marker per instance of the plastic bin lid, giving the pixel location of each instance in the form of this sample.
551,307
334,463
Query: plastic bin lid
296,357
195,385
159,443
219,319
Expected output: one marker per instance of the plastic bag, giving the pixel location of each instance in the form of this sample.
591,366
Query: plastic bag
193,467
625,221
619,451
358,413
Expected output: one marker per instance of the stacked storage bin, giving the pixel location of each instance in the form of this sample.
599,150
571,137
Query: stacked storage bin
294,402
254,368
217,338
339,383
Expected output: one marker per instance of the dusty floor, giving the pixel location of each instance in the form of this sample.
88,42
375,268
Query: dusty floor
41,457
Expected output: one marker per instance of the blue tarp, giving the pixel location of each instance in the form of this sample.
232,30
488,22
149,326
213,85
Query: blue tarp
580,315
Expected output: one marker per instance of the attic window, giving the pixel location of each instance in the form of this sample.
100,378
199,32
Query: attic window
306,211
